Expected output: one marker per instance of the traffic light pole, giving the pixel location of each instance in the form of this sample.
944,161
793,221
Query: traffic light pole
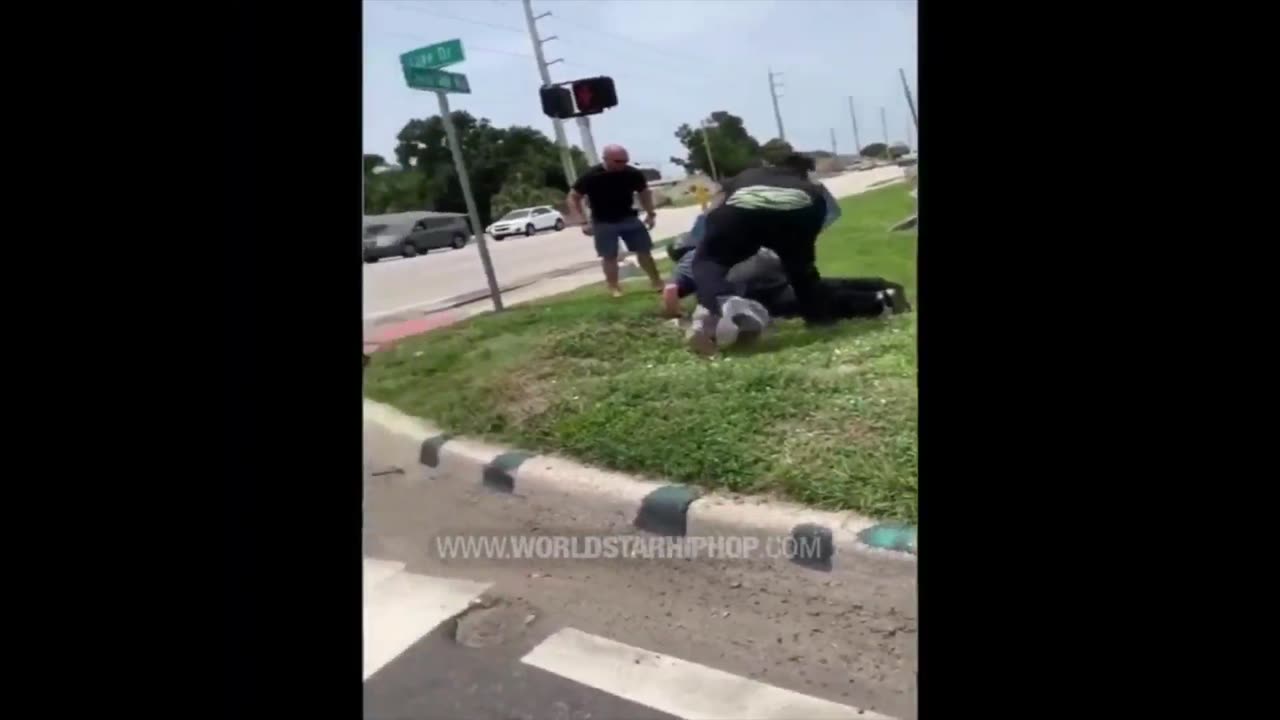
588,142
566,158
455,148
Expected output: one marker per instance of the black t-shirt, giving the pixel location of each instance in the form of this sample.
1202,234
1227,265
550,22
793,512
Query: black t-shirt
611,192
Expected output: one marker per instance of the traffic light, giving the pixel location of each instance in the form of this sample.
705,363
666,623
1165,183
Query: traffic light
556,102
594,95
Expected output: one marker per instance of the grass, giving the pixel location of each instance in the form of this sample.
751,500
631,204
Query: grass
824,417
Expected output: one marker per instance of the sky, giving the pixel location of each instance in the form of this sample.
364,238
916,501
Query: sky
672,61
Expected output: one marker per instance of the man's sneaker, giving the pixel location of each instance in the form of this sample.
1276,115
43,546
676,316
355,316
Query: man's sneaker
898,299
886,302
749,328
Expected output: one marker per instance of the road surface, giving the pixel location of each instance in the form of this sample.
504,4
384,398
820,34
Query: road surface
395,286
625,639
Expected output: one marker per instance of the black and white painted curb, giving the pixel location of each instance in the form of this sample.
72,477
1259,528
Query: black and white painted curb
656,507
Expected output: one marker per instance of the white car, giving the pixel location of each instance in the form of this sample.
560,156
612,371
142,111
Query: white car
526,222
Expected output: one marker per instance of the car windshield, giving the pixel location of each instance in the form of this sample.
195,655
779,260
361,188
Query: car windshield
516,215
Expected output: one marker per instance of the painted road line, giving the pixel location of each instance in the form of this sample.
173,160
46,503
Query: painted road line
375,571
402,608
678,687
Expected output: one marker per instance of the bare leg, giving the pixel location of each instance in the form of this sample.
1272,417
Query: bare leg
651,269
671,301
610,265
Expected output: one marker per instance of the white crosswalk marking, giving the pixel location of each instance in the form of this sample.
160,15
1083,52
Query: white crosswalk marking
400,607
678,687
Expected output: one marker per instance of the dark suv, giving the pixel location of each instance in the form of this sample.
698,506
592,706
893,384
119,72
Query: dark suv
411,233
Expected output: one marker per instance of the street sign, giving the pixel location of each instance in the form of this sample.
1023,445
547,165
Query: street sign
435,56
422,72
436,80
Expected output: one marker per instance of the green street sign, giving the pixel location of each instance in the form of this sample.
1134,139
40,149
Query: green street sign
436,80
435,56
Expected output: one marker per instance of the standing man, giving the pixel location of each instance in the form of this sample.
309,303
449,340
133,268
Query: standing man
611,188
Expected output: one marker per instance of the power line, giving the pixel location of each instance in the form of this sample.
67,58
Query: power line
667,82
444,16
470,48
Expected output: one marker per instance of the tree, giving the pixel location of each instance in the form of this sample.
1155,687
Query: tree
775,150
874,150
493,156
395,191
373,162
518,193
897,150
732,147
651,174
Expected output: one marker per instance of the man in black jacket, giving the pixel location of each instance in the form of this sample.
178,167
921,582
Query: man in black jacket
761,278
777,208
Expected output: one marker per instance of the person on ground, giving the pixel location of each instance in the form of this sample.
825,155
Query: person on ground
778,208
761,278
610,189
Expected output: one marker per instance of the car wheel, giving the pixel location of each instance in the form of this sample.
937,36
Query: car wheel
459,241
529,230
559,224
409,250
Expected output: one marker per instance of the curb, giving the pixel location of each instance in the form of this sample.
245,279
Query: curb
656,507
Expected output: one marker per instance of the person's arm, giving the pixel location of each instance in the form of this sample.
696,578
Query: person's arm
646,199
576,193
576,215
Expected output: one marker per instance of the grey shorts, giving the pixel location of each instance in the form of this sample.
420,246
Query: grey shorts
631,231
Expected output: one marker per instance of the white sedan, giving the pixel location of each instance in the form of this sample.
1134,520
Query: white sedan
526,222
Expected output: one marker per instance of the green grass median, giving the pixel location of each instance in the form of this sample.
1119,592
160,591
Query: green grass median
825,417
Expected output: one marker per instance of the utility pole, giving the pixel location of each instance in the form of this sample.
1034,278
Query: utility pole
706,143
588,142
910,103
854,119
570,173
885,124
777,114
833,142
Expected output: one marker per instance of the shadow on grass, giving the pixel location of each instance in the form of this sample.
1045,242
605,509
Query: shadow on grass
797,335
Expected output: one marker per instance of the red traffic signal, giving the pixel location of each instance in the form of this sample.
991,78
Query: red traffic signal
594,95
556,102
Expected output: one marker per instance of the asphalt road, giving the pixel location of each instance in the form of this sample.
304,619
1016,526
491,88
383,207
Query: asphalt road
626,639
394,286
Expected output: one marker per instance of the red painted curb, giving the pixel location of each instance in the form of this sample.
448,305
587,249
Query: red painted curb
390,334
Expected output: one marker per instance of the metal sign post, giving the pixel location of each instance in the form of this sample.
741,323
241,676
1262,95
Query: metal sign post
422,72
456,148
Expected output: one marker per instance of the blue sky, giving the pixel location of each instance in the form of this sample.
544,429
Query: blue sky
673,61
